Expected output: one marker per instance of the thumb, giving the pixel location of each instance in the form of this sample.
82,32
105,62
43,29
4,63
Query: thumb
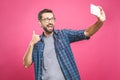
33,32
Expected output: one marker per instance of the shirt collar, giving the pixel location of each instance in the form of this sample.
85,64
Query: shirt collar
54,34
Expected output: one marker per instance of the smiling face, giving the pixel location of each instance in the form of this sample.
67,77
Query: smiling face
48,22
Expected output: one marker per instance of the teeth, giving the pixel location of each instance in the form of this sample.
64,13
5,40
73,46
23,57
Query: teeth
49,26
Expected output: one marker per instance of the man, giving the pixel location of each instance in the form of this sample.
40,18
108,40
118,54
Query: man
51,52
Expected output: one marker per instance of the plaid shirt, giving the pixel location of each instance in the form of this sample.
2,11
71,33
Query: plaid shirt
62,40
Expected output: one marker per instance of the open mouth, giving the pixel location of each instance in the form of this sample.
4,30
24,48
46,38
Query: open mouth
50,27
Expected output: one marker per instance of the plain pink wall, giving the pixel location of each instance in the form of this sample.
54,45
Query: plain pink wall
97,58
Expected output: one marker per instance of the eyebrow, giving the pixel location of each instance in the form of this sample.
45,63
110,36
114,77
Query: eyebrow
48,17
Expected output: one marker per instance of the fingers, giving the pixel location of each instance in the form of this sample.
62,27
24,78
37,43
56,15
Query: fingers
102,13
100,7
38,38
101,10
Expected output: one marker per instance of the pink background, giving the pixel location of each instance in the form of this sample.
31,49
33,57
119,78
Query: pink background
97,58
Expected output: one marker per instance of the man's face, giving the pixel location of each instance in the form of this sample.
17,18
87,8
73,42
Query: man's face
47,22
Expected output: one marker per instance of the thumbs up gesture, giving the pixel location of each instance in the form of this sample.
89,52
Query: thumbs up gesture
35,38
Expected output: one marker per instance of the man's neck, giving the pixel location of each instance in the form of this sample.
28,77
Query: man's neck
48,34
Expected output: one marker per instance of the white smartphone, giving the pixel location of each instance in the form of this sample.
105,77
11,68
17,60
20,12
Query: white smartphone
95,10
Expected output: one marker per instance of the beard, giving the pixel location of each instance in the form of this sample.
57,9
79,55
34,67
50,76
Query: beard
49,28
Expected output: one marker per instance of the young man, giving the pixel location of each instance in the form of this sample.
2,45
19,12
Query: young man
51,52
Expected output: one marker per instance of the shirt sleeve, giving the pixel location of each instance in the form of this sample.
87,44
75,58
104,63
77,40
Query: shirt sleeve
34,52
75,35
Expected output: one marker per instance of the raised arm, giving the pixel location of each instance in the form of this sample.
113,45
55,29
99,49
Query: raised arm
27,59
96,26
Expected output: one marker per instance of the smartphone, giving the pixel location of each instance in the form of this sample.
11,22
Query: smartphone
95,10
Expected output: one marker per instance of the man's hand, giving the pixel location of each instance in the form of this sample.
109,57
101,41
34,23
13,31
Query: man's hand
102,16
27,59
35,38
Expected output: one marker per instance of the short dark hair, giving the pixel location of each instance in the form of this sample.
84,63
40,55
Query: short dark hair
44,11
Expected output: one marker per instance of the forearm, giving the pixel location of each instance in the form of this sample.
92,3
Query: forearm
93,28
27,59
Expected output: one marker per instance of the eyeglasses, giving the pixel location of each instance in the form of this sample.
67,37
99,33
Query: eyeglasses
48,19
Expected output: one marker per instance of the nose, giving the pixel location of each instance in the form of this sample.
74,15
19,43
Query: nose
50,21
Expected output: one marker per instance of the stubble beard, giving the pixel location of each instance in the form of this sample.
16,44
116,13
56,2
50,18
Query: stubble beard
46,29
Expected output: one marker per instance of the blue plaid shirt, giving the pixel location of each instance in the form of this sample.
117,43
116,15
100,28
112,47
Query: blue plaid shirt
62,40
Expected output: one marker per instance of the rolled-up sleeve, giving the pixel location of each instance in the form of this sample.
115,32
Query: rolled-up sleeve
75,35
34,53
